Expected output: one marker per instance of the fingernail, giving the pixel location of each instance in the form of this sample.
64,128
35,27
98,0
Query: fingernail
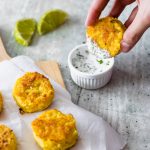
125,47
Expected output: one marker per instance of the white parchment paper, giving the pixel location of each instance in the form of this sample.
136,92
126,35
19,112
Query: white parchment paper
94,132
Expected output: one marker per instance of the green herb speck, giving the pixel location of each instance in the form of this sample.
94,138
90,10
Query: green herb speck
100,61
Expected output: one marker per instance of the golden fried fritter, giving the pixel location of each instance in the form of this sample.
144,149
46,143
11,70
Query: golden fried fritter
54,130
7,138
107,33
1,102
33,92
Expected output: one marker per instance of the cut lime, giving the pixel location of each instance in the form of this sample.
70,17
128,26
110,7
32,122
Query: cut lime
24,31
51,20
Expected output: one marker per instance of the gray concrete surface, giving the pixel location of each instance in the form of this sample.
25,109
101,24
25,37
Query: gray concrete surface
125,102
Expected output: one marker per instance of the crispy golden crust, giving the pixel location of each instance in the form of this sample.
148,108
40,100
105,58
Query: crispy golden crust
107,33
54,130
33,92
7,138
1,102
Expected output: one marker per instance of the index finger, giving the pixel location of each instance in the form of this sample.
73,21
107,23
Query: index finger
95,10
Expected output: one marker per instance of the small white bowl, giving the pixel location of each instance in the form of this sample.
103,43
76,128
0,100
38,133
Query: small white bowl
87,80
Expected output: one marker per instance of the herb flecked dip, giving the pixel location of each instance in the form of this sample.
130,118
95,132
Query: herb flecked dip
89,63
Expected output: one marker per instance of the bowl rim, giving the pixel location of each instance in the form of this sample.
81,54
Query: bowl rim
84,73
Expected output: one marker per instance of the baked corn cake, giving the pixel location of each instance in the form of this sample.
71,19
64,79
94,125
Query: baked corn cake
54,130
7,138
33,92
106,35
1,102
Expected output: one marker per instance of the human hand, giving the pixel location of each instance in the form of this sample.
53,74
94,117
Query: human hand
137,23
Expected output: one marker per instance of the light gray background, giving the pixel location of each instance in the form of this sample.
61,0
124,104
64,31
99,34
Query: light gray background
125,101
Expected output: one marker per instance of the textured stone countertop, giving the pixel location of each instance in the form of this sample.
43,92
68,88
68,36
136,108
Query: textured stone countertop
125,102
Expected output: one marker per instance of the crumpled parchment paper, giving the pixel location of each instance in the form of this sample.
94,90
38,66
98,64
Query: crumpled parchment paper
94,132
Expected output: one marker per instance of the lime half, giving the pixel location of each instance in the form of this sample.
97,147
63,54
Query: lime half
51,20
24,31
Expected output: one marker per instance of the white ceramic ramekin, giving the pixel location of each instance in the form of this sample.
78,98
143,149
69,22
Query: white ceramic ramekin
85,80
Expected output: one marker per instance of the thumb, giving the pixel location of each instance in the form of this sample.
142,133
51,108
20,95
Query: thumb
134,31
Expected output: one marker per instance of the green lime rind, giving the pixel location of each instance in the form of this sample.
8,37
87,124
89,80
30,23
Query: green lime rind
51,20
24,31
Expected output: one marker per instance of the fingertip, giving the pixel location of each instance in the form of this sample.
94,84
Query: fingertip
131,17
125,47
127,23
95,10
88,22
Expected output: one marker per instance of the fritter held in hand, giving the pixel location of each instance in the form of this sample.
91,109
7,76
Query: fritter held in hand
54,130
33,92
107,34
7,138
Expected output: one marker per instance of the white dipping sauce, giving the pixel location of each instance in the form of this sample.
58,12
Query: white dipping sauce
96,50
86,62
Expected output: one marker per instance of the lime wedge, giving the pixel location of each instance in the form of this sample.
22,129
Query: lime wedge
51,20
24,31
